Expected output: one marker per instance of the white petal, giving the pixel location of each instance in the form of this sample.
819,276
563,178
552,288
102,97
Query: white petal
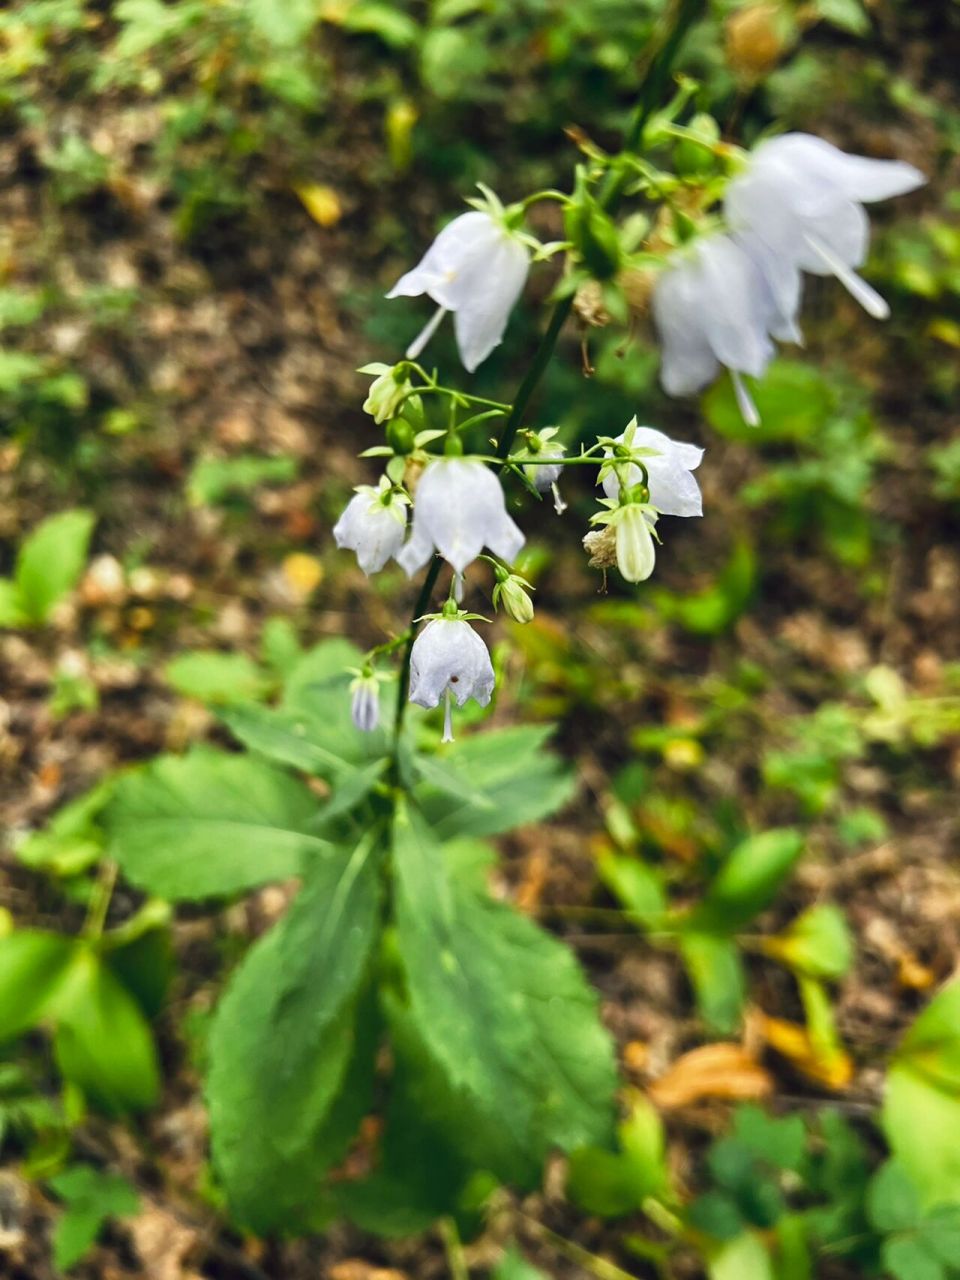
371,530
460,507
487,291
448,654
418,550
636,553
673,489
734,306
687,363
858,177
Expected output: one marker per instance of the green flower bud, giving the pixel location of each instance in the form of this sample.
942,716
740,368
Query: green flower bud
692,159
400,436
510,593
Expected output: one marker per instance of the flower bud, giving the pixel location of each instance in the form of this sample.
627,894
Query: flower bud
400,436
756,38
636,554
365,702
387,391
694,160
510,592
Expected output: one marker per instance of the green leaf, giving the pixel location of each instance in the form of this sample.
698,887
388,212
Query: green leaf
892,1200
848,15
504,1012
636,884
91,1197
717,1215
614,1183
748,881
32,969
907,1259
715,609
103,1043
818,944
11,609
312,743
745,1258
519,782
793,399
921,1107
779,1141
216,677
72,841
213,480
393,27
716,973
291,1059
513,1266
50,562
940,1232
208,824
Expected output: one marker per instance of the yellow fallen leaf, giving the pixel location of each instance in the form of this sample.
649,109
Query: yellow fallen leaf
302,574
321,202
830,1067
712,1071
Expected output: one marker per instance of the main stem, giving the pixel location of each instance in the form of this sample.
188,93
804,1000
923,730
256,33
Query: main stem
663,51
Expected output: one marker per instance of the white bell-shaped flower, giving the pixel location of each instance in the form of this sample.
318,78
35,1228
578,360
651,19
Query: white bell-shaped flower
636,551
475,268
712,306
459,510
373,525
544,474
798,205
670,466
449,661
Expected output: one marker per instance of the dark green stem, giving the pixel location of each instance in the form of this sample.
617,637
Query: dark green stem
664,50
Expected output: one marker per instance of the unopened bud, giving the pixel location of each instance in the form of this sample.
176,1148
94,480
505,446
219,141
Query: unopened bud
387,391
510,593
365,702
400,436
756,38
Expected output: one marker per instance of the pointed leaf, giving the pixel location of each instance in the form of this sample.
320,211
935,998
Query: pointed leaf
208,824
290,1056
51,560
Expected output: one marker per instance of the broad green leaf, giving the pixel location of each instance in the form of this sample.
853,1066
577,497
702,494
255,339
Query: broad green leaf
32,969
794,400
215,677
321,677
716,974
508,767
103,1043
921,1106
748,881
818,944
145,965
291,1058
892,1200
778,1141
848,15
794,1257
72,841
745,1258
208,824
940,1231
311,743
50,562
389,23
91,1197
505,1013
905,1258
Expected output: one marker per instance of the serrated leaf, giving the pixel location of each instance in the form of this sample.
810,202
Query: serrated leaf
508,767
290,1056
208,824
50,562
504,1012
940,1231
906,1259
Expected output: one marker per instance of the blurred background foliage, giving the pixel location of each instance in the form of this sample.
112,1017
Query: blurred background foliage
202,206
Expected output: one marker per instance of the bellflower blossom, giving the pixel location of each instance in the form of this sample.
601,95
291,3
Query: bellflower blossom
799,206
373,525
459,510
544,474
713,306
670,465
450,661
476,268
